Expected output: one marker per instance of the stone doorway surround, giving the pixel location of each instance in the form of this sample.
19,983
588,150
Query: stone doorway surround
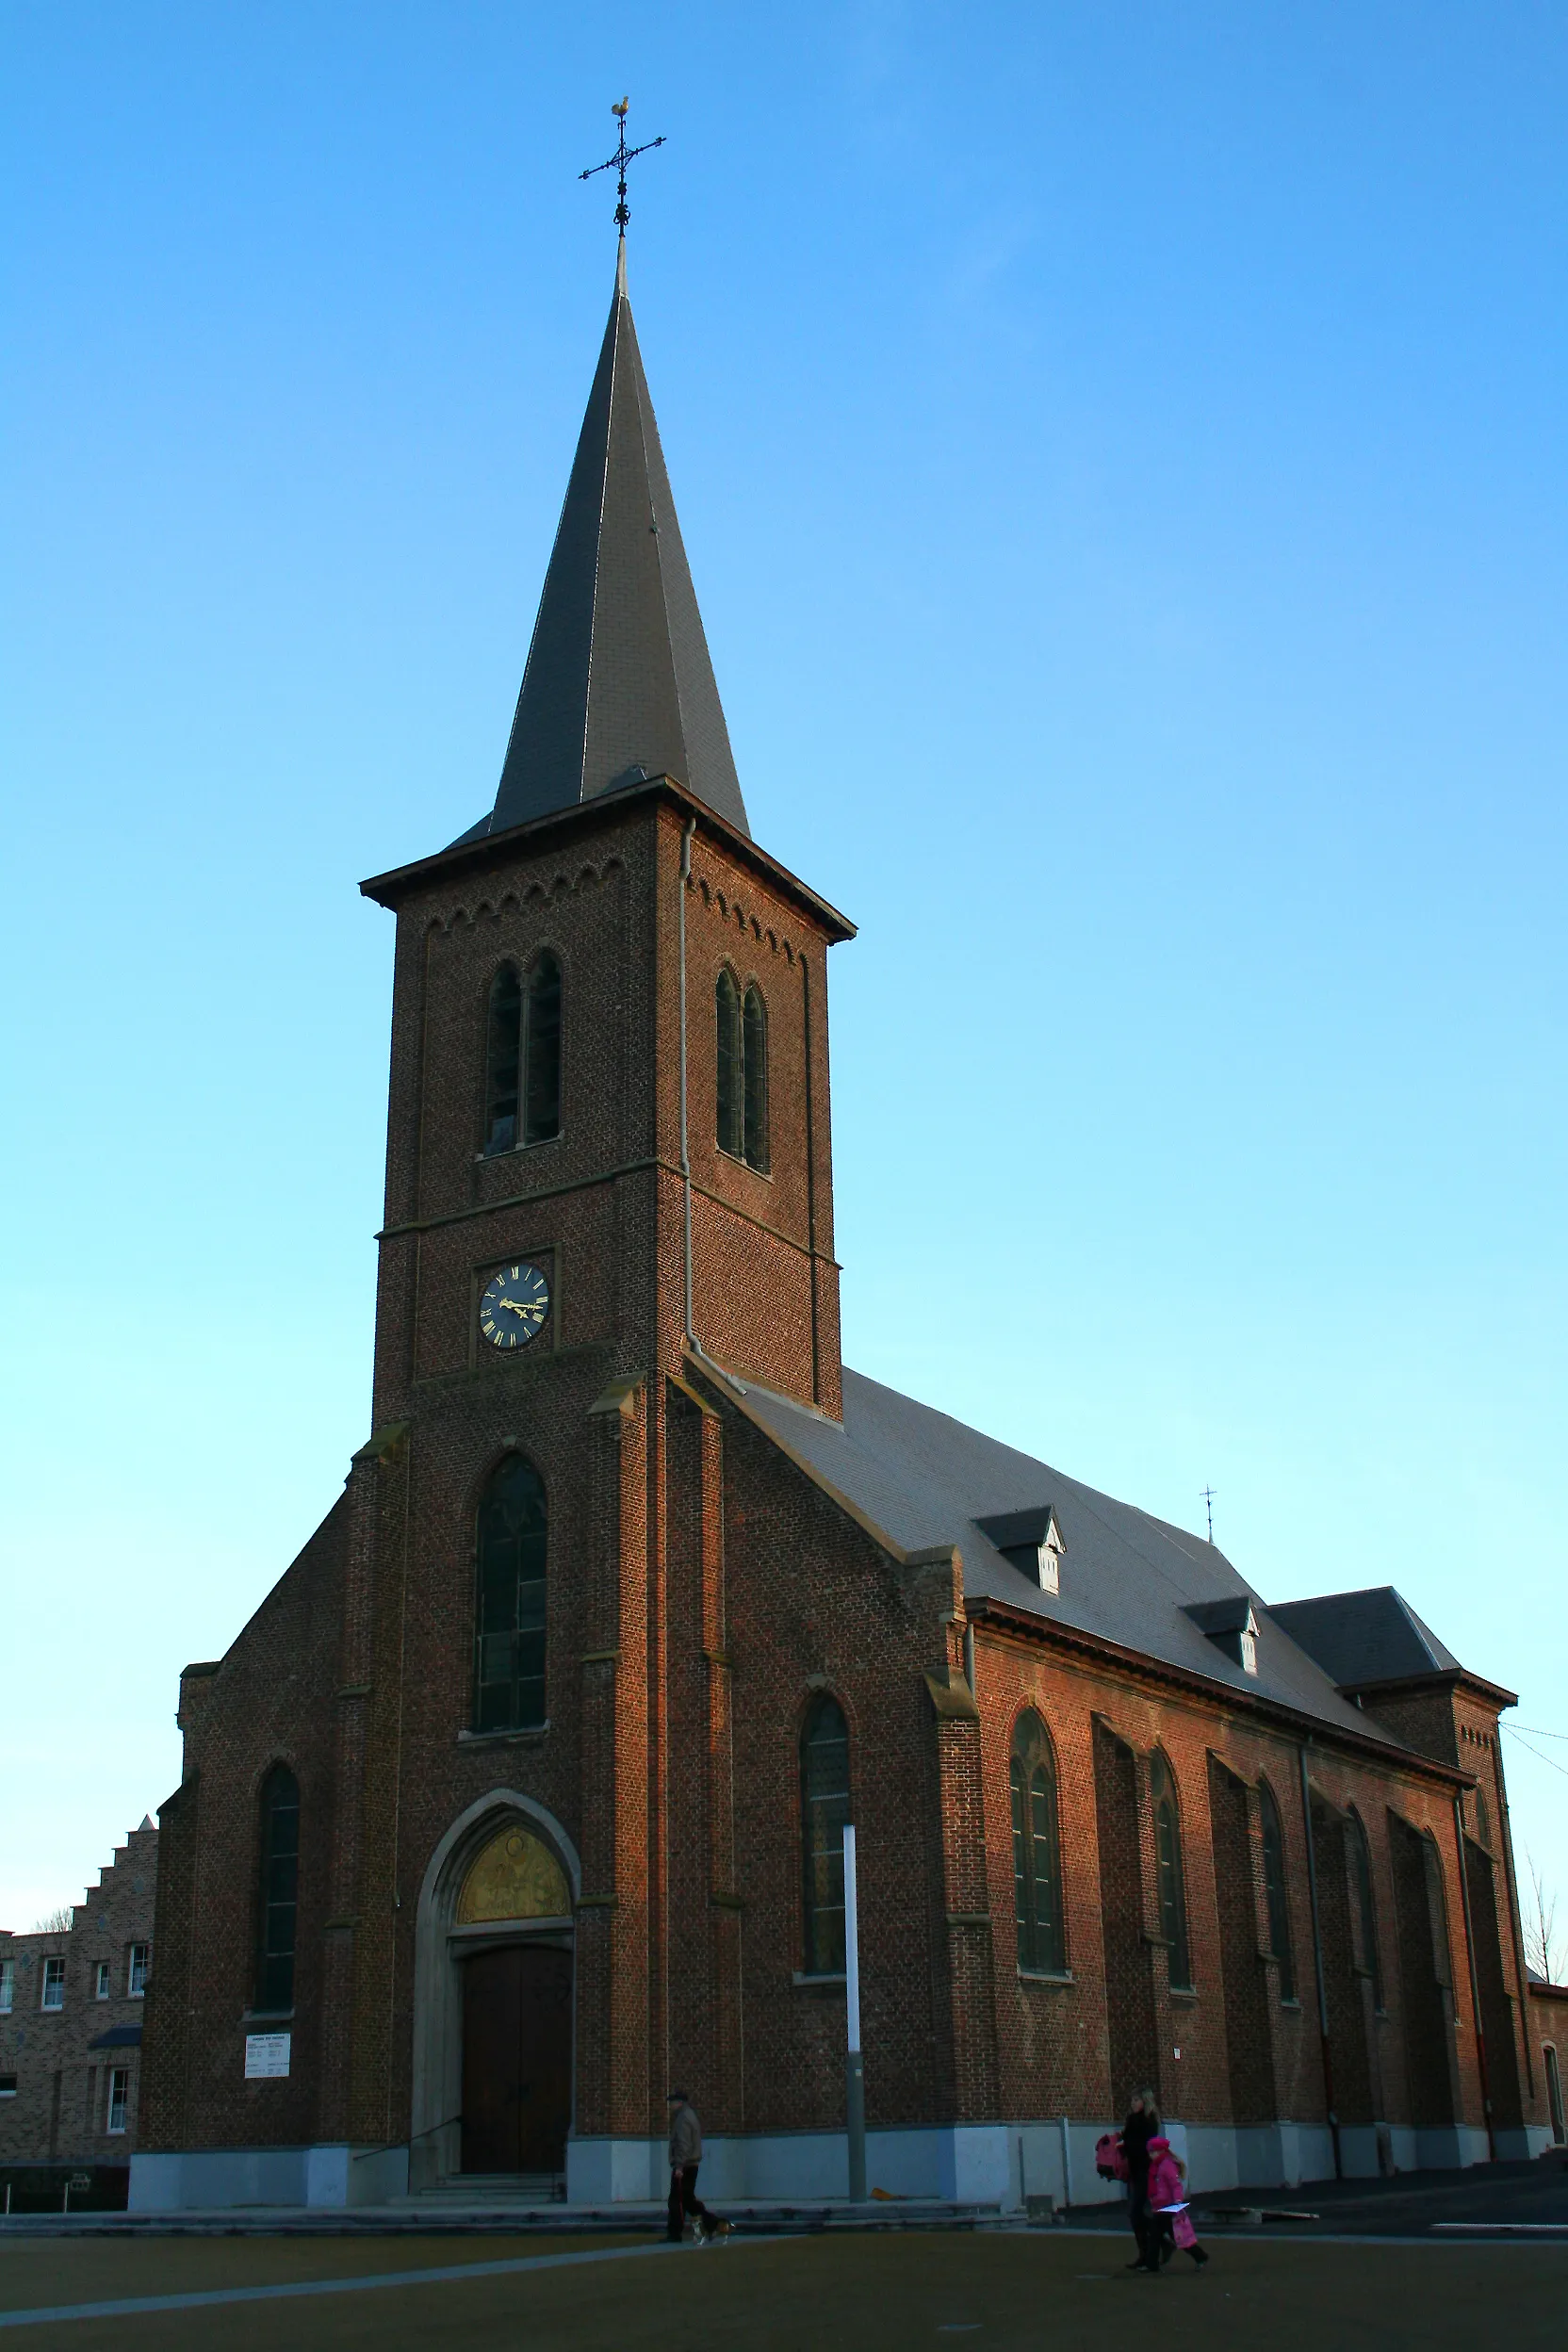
435,2139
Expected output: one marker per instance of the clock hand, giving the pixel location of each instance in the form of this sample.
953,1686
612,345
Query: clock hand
528,1306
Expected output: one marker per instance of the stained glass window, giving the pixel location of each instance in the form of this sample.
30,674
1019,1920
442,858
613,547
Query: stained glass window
824,1809
1037,1851
279,1889
509,1638
1275,1890
1361,1873
1167,1872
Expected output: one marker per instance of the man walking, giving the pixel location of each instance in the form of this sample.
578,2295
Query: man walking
685,2156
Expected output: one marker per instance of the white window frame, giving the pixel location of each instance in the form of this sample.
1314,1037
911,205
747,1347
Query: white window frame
104,1987
7,1986
119,2078
137,1967
48,1983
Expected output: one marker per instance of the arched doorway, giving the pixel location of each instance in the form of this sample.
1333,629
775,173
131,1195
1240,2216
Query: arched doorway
493,1988
512,1942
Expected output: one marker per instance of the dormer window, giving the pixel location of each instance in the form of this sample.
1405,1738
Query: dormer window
1031,1542
1231,1626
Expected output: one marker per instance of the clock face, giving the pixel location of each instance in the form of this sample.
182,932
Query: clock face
515,1306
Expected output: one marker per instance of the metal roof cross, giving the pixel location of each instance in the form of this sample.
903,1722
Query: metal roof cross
1206,1495
618,163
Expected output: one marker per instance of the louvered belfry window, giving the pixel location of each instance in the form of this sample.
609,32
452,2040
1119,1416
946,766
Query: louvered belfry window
1037,1851
824,1809
542,1052
522,1057
278,1909
502,1060
742,1071
509,1633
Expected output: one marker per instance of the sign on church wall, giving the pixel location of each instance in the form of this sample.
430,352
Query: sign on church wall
266,2056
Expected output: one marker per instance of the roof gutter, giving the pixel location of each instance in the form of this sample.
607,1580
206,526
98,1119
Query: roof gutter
1387,1752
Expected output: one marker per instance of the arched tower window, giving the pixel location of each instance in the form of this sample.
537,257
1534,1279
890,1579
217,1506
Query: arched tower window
1366,1912
542,1051
730,1066
277,1910
1276,1891
509,1629
502,1055
1168,1872
1036,1850
823,1811
741,1071
522,1057
755,1048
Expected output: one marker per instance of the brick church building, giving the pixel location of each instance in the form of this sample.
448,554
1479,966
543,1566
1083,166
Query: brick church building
522,1796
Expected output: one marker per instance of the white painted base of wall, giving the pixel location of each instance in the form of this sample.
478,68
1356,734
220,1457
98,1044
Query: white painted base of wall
203,2179
1524,2142
991,2163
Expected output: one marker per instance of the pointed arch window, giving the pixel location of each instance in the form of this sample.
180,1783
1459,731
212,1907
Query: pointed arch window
741,1026
731,1065
509,1627
754,1041
1367,1910
277,1910
1276,1891
1168,1876
522,1055
1036,1850
823,1811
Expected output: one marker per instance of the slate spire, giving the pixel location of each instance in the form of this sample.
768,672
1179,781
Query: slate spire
618,678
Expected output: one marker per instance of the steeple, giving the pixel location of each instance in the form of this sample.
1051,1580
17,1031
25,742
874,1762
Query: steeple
619,682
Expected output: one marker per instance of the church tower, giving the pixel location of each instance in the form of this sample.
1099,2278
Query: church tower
610,1029
493,1693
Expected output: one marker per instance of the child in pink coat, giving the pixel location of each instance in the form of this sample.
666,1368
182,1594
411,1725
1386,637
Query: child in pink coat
1168,2213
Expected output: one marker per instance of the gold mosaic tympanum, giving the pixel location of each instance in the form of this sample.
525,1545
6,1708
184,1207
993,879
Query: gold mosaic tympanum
513,1877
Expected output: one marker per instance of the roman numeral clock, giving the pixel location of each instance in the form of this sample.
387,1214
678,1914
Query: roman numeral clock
516,1305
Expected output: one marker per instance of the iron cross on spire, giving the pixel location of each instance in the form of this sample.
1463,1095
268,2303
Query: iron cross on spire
1206,1495
618,163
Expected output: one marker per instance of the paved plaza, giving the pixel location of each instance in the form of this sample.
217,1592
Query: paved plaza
1008,2290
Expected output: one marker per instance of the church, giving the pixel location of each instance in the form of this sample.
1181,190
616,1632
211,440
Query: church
522,1798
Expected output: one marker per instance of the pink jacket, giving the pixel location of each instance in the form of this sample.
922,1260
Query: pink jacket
1166,2185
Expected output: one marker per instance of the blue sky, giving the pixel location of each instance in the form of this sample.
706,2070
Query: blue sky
1120,454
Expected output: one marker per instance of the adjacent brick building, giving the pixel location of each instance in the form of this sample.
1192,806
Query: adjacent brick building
71,2001
522,1795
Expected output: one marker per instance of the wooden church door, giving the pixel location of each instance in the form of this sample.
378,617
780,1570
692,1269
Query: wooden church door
516,2059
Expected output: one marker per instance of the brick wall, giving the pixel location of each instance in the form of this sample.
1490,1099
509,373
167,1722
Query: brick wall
701,1590
59,2112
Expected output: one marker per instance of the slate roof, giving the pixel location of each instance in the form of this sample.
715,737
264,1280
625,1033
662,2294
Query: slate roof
618,683
923,1479
1363,1638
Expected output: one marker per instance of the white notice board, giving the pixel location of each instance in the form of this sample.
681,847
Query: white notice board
266,2055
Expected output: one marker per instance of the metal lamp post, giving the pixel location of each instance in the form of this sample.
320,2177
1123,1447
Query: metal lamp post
854,2077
